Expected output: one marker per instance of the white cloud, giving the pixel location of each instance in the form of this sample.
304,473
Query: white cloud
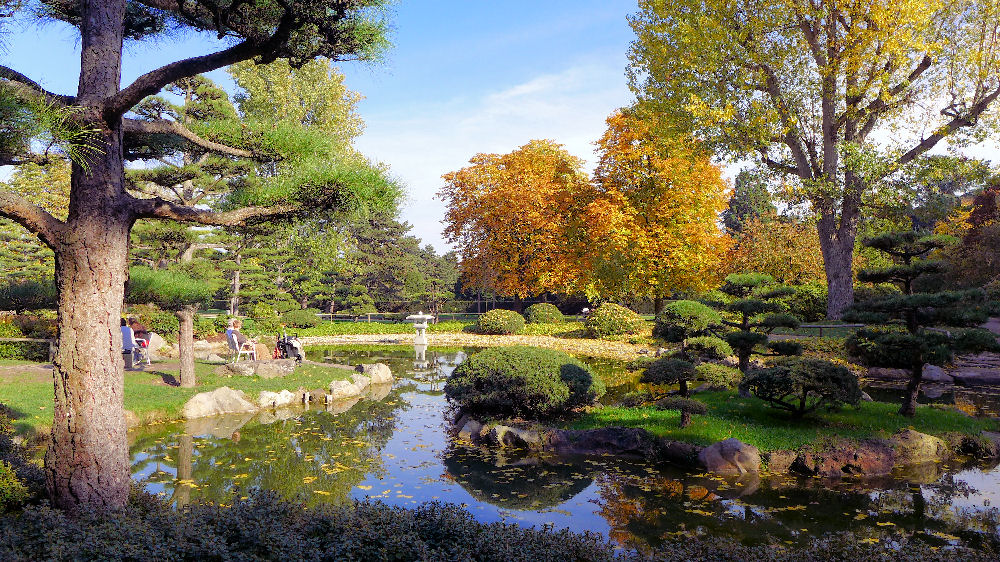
423,141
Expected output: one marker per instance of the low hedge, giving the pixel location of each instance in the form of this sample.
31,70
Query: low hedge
500,322
543,313
527,382
613,320
263,527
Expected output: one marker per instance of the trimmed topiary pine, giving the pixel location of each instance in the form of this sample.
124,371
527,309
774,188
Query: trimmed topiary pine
684,319
613,320
669,370
801,385
543,313
757,308
904,339
686,406
500,322
526,382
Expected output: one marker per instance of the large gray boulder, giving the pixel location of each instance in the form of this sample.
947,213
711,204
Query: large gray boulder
219,401
269,369
157,343
379,373
730,457
339,390
933,373
269,399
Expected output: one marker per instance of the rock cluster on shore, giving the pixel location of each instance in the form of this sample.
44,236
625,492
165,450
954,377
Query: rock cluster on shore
369,381
905,450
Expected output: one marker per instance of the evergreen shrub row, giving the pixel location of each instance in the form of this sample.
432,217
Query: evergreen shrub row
500,322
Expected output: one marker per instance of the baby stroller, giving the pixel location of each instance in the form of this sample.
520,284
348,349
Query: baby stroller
289,347
140,352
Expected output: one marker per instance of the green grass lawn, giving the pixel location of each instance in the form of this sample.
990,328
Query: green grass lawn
30,396
750,420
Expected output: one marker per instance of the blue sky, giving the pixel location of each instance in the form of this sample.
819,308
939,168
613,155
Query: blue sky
463,77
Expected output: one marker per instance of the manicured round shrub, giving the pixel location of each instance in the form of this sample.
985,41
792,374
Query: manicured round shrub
686,406
707,347
526,382
801,385
864,293
685,319
543,313
718,375
613,320
302,318
500,322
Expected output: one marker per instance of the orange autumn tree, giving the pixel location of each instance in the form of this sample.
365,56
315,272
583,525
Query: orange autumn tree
652,215
510,214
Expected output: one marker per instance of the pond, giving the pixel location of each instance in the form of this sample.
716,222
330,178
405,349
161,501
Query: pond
396,449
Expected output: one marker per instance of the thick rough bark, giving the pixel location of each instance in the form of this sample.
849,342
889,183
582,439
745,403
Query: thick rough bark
685,418
234,301
87,461
185,346
838,257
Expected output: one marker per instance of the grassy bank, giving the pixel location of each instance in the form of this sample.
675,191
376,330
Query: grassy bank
150,394
750,420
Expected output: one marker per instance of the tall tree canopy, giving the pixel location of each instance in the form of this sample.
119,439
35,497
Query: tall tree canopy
87,464
509,215
837,95
651,216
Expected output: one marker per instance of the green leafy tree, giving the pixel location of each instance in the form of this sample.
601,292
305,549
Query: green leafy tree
913,344
756,305
87,462
835,97
750,200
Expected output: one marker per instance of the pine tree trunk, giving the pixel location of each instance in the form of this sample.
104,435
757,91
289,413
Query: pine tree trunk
86,465
909,407
87,462
685,418
234,301
185,345
657,305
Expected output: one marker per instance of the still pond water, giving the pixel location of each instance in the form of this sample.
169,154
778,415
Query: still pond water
394,447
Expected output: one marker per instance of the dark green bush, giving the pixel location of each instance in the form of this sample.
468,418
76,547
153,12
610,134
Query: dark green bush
684,319
261,326
785,347
893,346
808,302
688,405
36,325
543,313
613,320
261,310
20,479
525,382
636,398
500,322
28,295
205,327
802,385
863,293
302,318
13,492
718,375
24,351
156,319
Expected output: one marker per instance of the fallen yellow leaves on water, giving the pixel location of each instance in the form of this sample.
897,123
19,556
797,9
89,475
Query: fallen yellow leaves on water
364,487
885,524
308,479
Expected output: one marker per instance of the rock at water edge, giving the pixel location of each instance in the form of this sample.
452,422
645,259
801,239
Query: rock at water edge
340,390
219,401
730,457
379,373
913,447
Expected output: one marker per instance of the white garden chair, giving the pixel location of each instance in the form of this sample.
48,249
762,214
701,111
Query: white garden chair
236,350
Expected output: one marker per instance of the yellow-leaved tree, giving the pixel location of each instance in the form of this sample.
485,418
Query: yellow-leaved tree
510,216
652,216
839,96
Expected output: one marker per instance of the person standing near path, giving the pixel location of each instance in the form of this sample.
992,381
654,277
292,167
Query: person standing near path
128,343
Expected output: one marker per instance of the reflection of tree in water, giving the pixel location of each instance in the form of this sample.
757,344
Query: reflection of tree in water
644,509
315,454
524,483
930,509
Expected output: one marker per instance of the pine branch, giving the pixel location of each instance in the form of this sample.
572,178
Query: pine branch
159,208
32,217
167,127
28,86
